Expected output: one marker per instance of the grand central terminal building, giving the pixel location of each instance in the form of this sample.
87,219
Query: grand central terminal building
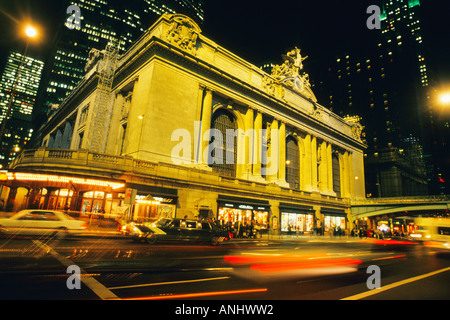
180,126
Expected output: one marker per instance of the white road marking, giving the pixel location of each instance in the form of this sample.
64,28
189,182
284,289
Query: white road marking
100,290
167,283
394,285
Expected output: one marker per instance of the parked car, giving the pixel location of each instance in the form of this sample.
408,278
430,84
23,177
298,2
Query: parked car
175,229
41,222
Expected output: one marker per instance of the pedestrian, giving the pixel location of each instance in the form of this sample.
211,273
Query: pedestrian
101,214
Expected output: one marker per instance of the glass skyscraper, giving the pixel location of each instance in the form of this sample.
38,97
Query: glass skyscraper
387,87
18,127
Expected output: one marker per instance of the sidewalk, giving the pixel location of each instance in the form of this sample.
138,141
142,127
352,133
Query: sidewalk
318,238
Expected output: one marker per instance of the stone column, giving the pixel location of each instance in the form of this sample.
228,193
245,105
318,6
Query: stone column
314,164
206,122
272,167
257,146
282,153
330,169
248,149
67,136
345,176
351,176
282,156
323,166
57,143
197,141
305,165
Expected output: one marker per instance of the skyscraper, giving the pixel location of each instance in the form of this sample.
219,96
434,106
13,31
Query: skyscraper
387,87
18,127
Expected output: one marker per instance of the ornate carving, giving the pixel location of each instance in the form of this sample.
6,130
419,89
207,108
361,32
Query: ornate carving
94,56
183,33
316,113
273,87
289,73
355,127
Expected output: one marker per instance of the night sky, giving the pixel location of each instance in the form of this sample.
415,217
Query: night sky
259,31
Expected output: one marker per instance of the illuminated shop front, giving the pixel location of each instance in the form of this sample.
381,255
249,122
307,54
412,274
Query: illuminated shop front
334,219
233,211
59,199
296,218
152,203
77,195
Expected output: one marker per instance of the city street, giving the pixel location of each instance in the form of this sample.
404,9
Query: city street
276,268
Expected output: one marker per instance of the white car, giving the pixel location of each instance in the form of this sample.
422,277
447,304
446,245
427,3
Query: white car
41,222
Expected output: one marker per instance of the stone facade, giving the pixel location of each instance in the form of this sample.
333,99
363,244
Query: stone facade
169,90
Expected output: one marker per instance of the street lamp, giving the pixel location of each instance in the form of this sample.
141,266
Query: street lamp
31,33
445,98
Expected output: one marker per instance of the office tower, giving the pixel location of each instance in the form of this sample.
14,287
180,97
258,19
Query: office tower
403,34
387,87
18,126
192,8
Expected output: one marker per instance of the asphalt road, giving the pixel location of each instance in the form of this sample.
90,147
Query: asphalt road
260,271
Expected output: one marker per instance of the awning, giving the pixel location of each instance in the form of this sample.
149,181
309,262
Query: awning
163,195
296,208
333,212
243,203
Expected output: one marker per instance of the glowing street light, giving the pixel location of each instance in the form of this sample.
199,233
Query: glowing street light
31,31
445,98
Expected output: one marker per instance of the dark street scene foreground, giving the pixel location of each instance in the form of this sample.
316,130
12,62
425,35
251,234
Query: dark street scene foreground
269,268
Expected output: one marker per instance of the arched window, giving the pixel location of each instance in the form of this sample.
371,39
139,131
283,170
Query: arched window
224,144
292,163
336,175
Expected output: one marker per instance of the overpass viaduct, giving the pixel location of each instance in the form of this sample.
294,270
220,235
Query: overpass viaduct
396,207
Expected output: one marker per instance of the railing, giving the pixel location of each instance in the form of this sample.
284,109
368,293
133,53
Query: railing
402,200
127,164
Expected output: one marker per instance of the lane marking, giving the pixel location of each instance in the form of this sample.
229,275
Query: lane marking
394,285
393,257
100,290
197,295
167,283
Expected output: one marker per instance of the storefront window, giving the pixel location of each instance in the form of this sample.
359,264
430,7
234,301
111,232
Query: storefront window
93,201
59,199
246,216
152,210
332,222
39,199
297,222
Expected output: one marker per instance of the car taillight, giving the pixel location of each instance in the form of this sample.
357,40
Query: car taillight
84,226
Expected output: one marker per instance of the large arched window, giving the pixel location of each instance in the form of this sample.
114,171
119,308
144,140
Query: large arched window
292,163
224,143
336,175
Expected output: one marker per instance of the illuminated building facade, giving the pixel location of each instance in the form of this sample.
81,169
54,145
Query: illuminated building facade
18,128
189,128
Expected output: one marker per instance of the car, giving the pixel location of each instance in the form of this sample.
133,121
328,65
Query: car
41,222
174,229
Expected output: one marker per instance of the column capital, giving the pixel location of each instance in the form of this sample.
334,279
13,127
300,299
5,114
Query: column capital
205,87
